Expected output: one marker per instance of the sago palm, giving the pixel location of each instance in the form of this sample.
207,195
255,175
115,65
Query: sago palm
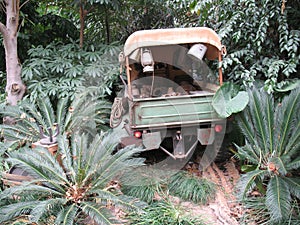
85,112
272,135
73,190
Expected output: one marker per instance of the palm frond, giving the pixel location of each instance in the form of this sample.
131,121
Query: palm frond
104,196
66,156
28,187
14,210
43,208
293,164
281,164
130,203
46,110
117,163
259,118
67,215
278,199
36,162
82,145
105,148
33,112
250,153
293,146
9,110
99,214
61,111
247,181
293,184
86,110
76,107
286,115
246,127
18,133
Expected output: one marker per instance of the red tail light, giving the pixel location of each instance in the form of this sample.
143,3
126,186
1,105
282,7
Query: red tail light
218,128
137,134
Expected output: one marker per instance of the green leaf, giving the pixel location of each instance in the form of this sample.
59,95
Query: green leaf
228,100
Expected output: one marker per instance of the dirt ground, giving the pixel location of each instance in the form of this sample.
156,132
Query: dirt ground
224,209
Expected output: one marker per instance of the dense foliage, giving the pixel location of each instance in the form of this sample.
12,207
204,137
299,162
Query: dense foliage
262,39
66,46
60,70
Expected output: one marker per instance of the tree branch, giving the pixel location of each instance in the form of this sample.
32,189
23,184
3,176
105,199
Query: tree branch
3,29
24,3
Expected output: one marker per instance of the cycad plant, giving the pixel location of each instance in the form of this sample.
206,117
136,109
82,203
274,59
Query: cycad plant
85,113
74,191
272,150
191,188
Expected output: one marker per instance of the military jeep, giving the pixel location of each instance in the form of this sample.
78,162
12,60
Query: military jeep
169,85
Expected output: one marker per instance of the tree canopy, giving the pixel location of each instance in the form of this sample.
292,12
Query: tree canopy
262,38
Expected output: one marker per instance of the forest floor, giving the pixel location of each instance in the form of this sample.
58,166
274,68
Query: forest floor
224,208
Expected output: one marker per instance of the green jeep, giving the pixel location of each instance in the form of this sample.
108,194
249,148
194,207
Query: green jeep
167,100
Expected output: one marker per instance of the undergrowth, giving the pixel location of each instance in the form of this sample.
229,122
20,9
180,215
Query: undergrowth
164,212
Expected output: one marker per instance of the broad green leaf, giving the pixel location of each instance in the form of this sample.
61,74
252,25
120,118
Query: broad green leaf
228,100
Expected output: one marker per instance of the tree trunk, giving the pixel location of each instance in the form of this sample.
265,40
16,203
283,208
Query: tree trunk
15,88
83,14
107,27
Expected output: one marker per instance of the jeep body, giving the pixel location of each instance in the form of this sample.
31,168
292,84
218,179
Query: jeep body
169,86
